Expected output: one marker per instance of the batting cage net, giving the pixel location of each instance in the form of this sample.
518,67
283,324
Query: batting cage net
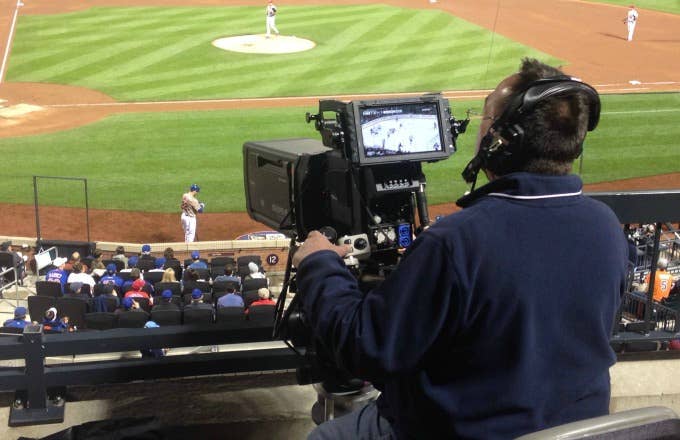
50,192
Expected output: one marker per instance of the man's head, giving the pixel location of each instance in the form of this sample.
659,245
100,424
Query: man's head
194,188
20,313
111,268
195,255
135,273
120,250
169,253
75,256
263,293
252,267
77,267
662,264
540,132
167,295
138,285
132,261
128,303
196,295
76,287
146,249
59,262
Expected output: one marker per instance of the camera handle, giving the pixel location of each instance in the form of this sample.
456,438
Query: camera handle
421,205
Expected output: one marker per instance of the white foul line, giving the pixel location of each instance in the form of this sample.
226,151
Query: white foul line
9,41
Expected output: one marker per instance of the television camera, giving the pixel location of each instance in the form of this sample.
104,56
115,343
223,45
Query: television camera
362,185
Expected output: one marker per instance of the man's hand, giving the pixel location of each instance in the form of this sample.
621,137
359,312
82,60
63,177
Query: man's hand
317,242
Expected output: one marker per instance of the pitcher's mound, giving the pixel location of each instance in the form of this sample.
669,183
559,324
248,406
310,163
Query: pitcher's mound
261,44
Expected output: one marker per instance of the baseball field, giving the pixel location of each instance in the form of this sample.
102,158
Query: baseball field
133,96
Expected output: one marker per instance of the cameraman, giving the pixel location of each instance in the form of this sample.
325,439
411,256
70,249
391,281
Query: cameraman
496,322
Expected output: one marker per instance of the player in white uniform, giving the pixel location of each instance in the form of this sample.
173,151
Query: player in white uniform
631,21
190,207
271,18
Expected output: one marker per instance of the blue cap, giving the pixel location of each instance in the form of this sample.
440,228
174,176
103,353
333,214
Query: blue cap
146,248
132,261
160,262
151,324
195,255
196,294
20,312
167,293
127,303
195,187
111,268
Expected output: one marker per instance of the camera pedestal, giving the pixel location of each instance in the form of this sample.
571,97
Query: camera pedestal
331,405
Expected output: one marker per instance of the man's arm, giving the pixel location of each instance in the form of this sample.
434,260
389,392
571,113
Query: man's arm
391,328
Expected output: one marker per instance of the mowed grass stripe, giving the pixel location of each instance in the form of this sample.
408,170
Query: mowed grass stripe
168,54
142,161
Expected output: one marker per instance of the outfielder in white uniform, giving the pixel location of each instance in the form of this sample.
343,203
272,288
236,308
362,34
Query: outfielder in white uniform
271,18
190,207
631,21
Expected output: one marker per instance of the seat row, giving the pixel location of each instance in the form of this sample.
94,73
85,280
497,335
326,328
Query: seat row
216,265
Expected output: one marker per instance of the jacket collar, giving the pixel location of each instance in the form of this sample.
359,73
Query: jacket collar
526,186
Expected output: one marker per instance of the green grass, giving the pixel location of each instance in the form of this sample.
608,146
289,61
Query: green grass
672,6
149,53
145,161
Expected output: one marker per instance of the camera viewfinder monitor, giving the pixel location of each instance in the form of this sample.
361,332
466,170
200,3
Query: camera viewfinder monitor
403,130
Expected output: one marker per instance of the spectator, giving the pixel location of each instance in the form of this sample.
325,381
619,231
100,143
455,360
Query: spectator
58,274
100,303
132,262
197,263
51,321
497,321
111,277
146,260
229,275
97,267
152,352
136,274
79,276
18,260
663,281
169,276
158,265
166,302
136,291
264,300
19,320
197,301
77,292
172,262
129,305
120,256
75,257
231,299
254,270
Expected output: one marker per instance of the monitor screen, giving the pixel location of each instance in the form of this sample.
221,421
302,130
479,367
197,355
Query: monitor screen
395,131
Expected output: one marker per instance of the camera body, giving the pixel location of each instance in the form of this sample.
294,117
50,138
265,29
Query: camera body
363,180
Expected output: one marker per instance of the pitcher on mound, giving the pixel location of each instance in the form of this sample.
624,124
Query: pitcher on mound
271,18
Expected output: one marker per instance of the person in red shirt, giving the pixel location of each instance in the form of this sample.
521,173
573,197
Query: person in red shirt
265,299
137,291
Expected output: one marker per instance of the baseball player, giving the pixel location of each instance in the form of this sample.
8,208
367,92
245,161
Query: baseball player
190,207
271,18
631,21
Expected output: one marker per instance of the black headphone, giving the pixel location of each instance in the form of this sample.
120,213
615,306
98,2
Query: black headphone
501,149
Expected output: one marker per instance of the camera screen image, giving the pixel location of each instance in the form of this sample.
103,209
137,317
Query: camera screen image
400,129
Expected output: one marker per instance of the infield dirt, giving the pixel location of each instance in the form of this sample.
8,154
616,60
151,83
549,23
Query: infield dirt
590,36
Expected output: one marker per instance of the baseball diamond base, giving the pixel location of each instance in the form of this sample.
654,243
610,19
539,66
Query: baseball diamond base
260,43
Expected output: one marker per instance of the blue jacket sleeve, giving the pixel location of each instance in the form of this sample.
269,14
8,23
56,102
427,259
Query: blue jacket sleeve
390,329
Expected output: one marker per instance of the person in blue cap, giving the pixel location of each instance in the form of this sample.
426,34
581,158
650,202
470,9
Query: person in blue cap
19,320
111,277
196,262
190,208
197,301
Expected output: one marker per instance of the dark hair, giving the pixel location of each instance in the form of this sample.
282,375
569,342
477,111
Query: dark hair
555,130
169,253
120,250
229,269
77,267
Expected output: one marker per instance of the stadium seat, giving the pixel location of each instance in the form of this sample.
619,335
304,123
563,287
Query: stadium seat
198,316
38,305
249,297
153,277
166,317
230,314
243,260
263,313
254,284
132,319
120,265
75,309
650,423
176,299
217,265
223,286
175,288
207,298
48,288
100,320
188,261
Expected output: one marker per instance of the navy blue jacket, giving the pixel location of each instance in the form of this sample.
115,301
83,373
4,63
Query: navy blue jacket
496,322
